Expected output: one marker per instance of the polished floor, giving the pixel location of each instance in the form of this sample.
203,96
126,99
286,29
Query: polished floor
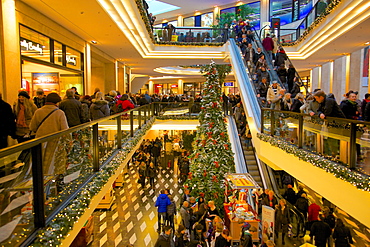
133,216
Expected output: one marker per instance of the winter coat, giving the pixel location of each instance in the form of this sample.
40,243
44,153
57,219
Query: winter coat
349,109
313,212
270,92
162,202
329,107
56,121
73,110
302,205
99,109
125,105
321,231
282,219
151,172
268,44
171,209
222,242
342,237
7,124
296,106
185,215
282,73
21,131
262,89
163,241
290,196
85,113
281,57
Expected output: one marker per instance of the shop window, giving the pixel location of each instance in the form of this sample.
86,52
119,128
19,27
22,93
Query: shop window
189,22
207,19
231,10
58,53
73,58
34,44
281,9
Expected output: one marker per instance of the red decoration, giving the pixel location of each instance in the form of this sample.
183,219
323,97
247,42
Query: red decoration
204,173
214,179
226,146
190,176
216,164
214,142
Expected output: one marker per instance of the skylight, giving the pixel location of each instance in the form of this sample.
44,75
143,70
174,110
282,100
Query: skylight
158,7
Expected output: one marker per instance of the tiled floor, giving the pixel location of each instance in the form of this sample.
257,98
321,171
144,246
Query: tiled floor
133,216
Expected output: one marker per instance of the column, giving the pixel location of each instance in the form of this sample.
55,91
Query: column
87,74
339,77
151,87
180,86
11,63
265,11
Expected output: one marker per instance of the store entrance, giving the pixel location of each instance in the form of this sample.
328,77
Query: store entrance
49,79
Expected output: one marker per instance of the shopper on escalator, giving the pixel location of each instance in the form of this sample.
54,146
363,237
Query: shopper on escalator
268,44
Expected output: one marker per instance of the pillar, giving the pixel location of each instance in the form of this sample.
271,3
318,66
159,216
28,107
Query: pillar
87,75
180,86
11,62
265,11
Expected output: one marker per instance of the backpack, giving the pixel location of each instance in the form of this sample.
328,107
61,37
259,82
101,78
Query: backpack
117,108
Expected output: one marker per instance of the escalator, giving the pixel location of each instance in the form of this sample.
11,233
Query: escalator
261,173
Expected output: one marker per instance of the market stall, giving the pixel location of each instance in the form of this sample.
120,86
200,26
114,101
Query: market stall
238,211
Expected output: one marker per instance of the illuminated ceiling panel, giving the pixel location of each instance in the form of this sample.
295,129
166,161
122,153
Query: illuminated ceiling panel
158,7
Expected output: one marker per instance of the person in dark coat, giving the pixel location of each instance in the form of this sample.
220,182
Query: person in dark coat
302,204
282,73
179,237
165,239
342,235
320,231
298,101
282,219
72,108
151,173
262,88
328,107
99,107
224,240
7,124
290,195
142,171
281,57
40,98
162,202
156,151
270,200
268,44
290,76
349,107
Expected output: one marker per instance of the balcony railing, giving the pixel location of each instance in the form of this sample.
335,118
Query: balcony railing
39,178
341,140
191,35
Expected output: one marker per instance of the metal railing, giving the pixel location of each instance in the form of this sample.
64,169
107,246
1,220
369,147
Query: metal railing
39,178
322,136
191,35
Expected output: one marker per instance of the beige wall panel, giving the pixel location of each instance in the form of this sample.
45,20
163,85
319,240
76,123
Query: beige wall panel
325,77
339,78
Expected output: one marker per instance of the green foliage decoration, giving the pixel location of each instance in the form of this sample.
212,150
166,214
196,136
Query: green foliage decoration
212,157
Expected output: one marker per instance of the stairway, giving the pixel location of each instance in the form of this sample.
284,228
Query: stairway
251,163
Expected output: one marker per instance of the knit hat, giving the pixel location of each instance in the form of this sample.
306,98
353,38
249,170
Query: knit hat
53,98
24,94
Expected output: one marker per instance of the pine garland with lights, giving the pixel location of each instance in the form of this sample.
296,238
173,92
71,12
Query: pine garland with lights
63,222
359,180
332,5
212,157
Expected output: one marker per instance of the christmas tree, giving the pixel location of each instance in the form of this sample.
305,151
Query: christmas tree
212,157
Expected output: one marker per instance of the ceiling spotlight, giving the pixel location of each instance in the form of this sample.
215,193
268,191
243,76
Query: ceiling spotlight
367,43
94,42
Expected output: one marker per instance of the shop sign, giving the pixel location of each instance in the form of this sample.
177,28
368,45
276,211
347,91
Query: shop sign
71,60
268,223
27,45
295,12
174,85
228,84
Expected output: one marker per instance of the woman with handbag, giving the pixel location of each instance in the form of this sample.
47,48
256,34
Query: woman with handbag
23,110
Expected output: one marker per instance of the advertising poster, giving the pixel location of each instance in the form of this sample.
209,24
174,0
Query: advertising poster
268,223
365,68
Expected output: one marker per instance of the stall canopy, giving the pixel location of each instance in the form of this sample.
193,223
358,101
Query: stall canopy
241,181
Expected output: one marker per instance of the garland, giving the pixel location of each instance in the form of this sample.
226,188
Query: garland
145,18
63,222
357,179
174,117
332,5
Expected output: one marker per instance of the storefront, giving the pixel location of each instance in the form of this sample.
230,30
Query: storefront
166,88
49,64
229,87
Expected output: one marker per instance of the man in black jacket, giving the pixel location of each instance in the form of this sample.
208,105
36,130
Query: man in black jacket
165,239
320,231
328,106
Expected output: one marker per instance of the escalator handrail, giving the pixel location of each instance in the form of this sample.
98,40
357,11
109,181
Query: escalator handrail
272,72
290,62
245,85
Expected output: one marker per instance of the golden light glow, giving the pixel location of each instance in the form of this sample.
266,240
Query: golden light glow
197,13
353,14
239,3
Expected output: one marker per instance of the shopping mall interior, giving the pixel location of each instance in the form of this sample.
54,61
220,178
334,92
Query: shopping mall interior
105,45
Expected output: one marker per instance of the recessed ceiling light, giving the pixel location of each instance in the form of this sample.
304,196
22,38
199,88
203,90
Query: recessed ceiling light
94,42
367,43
